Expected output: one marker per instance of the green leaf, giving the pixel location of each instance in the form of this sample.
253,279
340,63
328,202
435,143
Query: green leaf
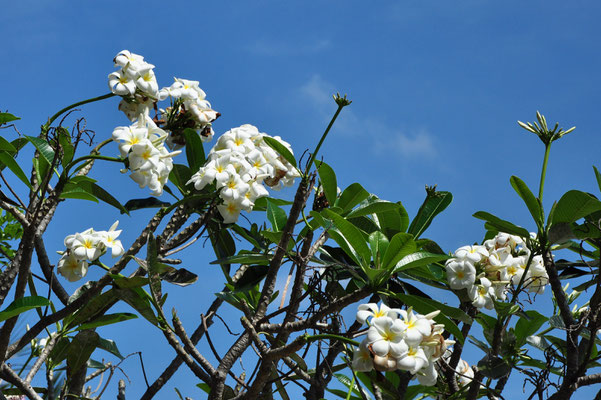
95,306
107,319
43,147
598,176
41,167
195,153
371,207
177,276
434,204
149,202
281,149
401,245
378,243
494,367
77,192
21,305
574,205
502,225
261,203
528,324
139,300
276,216
352,236
179,176
7,117
245,258
5,145
328,181
392,222
426,306
105,196
251,277
531,201
64,139
419,259
351,196
125,282
6,160
80,349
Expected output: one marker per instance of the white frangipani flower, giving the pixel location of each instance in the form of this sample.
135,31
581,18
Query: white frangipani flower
372,310
482,294
72,268
461,274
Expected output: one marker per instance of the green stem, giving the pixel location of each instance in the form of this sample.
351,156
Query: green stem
323,137
312,338
350,388
93,156
79,103
544,172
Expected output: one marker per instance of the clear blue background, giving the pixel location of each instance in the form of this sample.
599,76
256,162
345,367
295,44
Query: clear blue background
436,86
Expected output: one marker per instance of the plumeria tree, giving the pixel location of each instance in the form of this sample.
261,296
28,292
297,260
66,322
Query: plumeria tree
413,303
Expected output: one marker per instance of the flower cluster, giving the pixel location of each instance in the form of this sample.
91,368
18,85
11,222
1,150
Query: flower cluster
135,82
86,247
192,103
143,143
240,163
400,339
487,271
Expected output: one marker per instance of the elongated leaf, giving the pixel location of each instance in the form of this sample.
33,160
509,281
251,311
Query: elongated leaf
245,258
351,196
94,307
110,346
107,319
280,148
7,160
376,206
21,305
401,245
531,202
426,306
597,176
80,349
378,243
149,202
7,117
502,225
78,193
528,325
177,276
64,139
5,145
276,216
195,153
261,203
433,205
328,181
139,300
393,221
105,196
43,147
125,282
352,235
179,176
494,367
419,259
574,205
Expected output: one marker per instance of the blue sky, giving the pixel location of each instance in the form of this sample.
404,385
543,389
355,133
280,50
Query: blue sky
437,88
